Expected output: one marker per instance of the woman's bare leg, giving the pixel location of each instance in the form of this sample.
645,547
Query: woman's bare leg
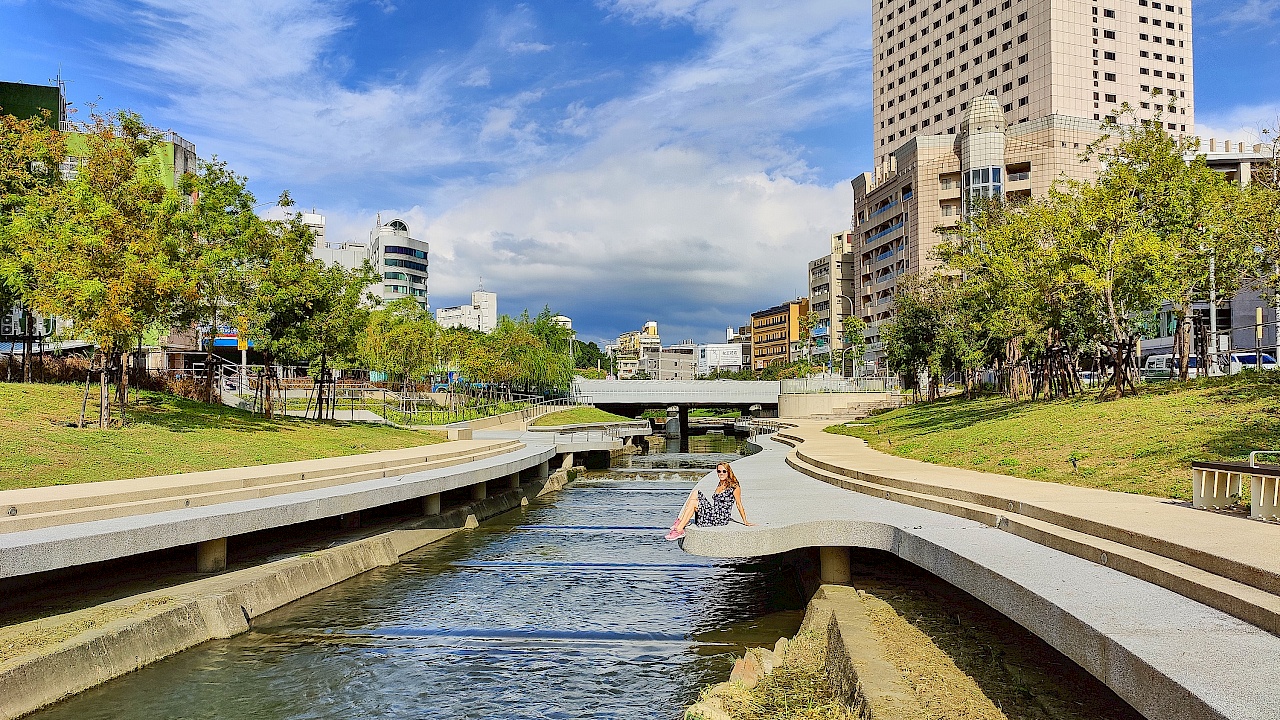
686,512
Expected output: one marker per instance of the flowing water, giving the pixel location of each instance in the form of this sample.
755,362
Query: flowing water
574,607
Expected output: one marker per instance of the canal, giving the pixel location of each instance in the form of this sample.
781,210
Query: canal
572,607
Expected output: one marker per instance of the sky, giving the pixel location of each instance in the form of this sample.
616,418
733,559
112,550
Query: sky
616,160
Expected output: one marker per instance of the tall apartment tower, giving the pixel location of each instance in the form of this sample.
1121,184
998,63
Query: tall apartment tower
1037,57
998,98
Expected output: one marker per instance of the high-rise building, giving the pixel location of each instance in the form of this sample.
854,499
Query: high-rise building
998,98
481,314
832,287
1039,58
401,260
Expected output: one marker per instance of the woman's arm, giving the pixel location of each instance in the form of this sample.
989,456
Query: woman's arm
737,500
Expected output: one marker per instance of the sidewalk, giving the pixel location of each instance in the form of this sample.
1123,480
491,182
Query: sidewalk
1234,547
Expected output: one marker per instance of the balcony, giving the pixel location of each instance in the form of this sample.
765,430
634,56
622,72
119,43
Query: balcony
883,209
886,231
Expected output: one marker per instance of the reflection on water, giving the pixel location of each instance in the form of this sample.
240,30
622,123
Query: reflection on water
570,608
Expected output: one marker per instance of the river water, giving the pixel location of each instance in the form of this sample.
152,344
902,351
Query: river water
573,607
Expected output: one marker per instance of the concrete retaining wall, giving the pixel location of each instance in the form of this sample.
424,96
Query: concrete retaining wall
808,405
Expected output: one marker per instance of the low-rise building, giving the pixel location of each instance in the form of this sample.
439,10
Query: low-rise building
633,346
775,334
481,314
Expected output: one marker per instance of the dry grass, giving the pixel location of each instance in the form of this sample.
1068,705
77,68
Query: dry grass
47,633
1142,444
40,446
797,690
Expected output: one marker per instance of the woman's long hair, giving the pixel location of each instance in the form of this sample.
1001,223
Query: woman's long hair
730,480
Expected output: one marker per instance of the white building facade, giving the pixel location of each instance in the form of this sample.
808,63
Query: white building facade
402,261
480,315
726,357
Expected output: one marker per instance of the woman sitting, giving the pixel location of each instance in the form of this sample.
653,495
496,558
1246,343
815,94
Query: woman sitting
713,511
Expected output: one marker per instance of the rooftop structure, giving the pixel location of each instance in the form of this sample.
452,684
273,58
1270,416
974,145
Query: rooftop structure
480,315
402,260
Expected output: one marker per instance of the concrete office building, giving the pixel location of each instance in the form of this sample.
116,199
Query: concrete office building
401,260
832,290
481,314
632,346
998,98
775,334
677,362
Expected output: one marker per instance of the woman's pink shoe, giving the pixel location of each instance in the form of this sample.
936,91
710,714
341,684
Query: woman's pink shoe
675,534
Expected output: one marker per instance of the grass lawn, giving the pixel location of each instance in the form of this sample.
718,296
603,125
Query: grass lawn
1142,444
578,416
39,445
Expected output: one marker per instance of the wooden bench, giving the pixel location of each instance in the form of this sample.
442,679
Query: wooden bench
1219,485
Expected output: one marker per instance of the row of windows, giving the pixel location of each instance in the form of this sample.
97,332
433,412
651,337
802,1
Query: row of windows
411,265
397,250
1158,40
403,290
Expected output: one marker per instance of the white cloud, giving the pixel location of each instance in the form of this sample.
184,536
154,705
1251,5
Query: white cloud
1248,14
681,201
1242,123
477,78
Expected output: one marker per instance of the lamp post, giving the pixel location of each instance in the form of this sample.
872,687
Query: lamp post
845,350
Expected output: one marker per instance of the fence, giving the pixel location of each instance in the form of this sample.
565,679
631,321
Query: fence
815,385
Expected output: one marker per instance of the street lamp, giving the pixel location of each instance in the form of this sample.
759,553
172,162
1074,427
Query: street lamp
844,351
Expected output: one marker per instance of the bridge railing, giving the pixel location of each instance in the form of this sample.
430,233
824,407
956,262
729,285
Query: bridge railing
814,385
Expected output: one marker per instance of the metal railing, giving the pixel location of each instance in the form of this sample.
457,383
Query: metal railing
816,385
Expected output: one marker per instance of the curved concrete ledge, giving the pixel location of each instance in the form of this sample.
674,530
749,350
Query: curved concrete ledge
52,548
1167,655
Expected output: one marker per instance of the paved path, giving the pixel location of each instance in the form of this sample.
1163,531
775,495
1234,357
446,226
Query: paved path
1164,653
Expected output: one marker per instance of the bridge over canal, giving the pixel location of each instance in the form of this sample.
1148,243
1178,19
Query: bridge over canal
631,397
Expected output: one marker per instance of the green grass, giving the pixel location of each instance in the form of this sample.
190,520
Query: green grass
578,416
1142,444
39,444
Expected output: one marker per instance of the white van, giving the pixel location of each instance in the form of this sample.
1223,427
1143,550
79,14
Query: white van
1166,365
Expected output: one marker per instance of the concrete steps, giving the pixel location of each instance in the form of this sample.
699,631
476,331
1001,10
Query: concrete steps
1238,589
35,508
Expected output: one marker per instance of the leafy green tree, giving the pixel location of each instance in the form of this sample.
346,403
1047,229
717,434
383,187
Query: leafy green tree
107,244
402,341
223,243
589,355
31,151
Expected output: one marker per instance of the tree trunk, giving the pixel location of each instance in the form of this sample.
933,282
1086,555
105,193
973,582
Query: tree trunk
320,414
122,390
104,396
208,357
268,403
27,322
1182,343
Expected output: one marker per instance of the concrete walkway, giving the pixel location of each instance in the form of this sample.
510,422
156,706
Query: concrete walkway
1164,653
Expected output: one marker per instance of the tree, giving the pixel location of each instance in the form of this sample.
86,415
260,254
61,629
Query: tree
853,336
589,355
107,246
281,296
31,152
337,315
402,341
222,244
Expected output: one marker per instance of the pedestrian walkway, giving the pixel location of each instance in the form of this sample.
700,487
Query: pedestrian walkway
1166,654
1227,561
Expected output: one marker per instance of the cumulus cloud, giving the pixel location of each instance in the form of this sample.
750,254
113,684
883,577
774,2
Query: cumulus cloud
681,197
1241,123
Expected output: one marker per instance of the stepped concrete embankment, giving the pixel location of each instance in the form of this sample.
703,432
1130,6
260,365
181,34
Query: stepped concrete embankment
52,528
1164,653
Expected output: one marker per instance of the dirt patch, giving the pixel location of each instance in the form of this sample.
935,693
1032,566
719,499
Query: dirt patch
20,640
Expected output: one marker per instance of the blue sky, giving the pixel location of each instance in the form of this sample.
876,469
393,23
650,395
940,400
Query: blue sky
618,160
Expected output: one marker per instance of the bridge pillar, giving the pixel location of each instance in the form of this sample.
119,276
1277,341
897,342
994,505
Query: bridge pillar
480,491
684,421
349,521
211,556
431,504
566,461
544,469
833,566
513,481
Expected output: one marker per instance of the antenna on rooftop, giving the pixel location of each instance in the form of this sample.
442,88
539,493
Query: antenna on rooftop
481,282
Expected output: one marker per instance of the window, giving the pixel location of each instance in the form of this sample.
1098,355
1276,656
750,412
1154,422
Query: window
1109,77
1111,98
1023,80
1109,14
1022,101
1022,17
1108,56
1109,34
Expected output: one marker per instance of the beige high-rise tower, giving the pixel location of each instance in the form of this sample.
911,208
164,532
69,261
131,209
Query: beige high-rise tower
999,98
1037,57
